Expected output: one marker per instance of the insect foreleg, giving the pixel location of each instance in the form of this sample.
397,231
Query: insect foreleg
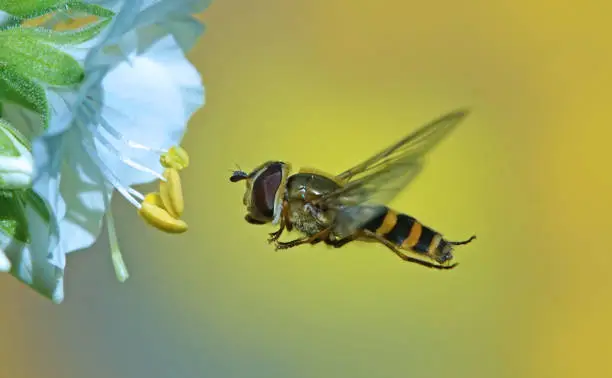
316,238
284,220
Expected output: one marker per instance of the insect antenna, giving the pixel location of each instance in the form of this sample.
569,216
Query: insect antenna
238,174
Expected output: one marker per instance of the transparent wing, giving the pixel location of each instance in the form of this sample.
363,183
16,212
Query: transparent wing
363,199
376,181
415,144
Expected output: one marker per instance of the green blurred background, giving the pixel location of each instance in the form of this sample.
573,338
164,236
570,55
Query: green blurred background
325,84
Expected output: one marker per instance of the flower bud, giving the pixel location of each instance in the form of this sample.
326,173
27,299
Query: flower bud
16,162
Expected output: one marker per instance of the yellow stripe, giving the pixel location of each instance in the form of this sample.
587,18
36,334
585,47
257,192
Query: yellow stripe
388,223
413,237
434,244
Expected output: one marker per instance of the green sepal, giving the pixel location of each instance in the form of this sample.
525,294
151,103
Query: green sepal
38,60
68,37
13,221
26,9
7,147
21,90
73,11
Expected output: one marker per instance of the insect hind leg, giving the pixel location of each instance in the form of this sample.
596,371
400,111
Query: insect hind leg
404,257
340,242
462,242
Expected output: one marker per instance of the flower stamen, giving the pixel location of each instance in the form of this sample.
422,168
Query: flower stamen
129,162
161,210
171,193
110,176
136,193
176,157
152,212
117,135
120,268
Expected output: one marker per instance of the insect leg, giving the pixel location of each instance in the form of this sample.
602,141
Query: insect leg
341,242
321,235
392,247
284,215
462,242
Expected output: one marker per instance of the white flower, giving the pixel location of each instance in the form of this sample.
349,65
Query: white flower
138,95
30,262
5,263
4,17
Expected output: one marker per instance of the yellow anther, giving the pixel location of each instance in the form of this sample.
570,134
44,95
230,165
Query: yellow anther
154,199
160,219
171,193
176,158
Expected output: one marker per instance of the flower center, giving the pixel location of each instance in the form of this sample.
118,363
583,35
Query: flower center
162,209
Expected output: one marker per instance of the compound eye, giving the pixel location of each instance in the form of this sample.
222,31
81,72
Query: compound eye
264,189
252,220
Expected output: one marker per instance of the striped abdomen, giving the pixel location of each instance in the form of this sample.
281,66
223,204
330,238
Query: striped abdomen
407,233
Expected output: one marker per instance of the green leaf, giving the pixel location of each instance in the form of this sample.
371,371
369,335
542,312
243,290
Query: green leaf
68,37
7,147
13,220
30,8
90,9
38,60
21,90
25,9
10,22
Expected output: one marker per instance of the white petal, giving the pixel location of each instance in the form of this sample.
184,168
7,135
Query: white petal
174,17
5,263
84,192
4,17
32,264
60,102
149,101
49,152
183,74
122,23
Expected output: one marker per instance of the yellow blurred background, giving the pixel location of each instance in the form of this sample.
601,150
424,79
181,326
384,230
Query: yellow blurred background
326,84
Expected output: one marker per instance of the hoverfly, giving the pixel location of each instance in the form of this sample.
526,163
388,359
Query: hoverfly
351,206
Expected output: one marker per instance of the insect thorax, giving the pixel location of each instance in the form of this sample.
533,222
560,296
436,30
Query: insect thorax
309,185
301,188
